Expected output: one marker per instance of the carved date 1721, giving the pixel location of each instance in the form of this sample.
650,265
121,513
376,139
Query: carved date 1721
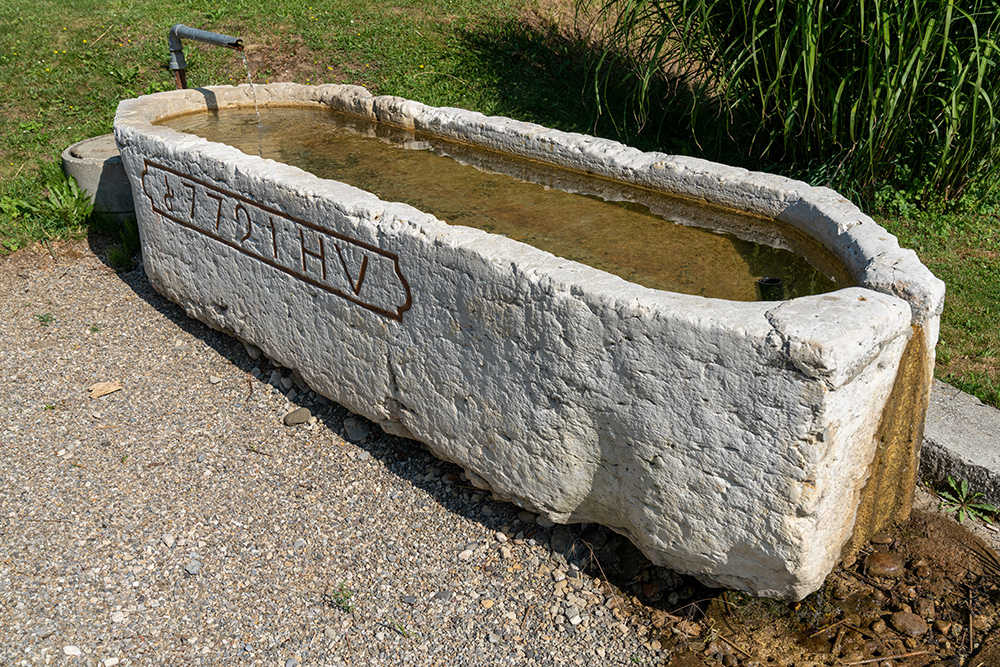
359,272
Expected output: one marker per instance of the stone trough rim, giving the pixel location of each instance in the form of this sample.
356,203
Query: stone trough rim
868,251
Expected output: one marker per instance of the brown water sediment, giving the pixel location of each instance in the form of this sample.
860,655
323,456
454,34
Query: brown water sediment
645,237
887,496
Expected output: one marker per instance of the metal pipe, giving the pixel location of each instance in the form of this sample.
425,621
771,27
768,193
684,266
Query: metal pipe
177,62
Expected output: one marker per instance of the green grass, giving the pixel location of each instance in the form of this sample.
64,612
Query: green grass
66,64
341,598
867,92
958,499
963,249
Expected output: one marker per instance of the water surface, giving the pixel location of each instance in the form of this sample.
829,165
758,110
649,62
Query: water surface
646,237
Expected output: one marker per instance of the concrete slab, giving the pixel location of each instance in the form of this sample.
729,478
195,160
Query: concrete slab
961,439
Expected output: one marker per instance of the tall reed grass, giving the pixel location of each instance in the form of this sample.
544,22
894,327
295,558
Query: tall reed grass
858,93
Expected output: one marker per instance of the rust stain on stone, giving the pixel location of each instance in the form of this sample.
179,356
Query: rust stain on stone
892,476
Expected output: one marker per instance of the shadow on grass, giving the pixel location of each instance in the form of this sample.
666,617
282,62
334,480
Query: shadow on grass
543,73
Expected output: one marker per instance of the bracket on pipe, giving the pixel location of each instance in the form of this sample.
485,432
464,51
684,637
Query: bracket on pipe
177,62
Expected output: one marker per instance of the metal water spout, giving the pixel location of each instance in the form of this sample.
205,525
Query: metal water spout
177,62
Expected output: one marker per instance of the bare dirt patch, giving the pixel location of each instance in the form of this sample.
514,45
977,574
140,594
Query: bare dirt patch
285,57
963,364
934,605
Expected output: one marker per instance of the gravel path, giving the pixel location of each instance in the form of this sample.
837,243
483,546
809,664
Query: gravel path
178,520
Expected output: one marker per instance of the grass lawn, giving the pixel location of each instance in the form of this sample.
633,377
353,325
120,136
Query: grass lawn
65,65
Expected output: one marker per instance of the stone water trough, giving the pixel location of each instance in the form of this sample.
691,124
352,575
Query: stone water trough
750,444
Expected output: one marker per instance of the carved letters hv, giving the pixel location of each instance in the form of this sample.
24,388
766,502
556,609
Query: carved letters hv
359,272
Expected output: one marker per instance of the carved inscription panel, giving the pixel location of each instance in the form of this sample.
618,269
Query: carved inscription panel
353,270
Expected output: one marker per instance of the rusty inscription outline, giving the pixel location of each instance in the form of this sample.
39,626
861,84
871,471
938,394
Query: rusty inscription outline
320,231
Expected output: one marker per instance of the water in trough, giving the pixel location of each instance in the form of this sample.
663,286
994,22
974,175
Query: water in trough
648,238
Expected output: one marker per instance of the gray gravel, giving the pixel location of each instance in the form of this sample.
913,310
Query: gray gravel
179,520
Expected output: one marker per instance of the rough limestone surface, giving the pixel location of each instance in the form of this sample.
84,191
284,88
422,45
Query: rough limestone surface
727,440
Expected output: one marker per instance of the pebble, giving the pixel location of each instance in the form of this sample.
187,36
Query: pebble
168,540
298,544
884,564
117,617
356,429
329,632
544,521
72,650
942,626
881,539
908,623
689,628
252,351
214,379
297,416
292,662
562,539
193,568
465,555
110,662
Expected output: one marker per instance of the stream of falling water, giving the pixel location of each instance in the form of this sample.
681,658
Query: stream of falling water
253,92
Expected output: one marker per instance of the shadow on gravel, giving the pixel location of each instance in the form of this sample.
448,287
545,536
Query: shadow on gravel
589,549
543,74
